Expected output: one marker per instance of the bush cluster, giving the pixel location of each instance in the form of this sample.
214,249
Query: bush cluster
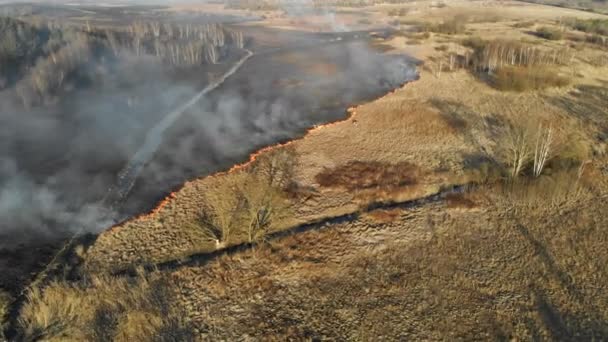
524,78
249,204
456,25
105,308
596,26
549,33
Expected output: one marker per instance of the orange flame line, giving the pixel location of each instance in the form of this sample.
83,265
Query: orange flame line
352,112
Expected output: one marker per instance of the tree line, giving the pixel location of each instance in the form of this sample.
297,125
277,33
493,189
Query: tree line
39,59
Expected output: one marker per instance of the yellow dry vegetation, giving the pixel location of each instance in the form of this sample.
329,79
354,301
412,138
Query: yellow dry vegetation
517,255
104,308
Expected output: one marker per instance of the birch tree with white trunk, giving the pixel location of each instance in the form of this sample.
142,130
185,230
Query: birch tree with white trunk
542,149
516,148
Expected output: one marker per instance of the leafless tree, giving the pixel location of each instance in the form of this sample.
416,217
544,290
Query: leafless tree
277,166
542,148
264,206
515,146
221,217
249,202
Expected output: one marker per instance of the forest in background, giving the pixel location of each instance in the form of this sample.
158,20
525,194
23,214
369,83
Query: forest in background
43,61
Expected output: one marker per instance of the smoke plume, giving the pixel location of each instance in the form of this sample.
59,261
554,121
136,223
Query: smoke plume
60,162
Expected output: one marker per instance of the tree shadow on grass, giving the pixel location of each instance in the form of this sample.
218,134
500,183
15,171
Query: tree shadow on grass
562,324
589,104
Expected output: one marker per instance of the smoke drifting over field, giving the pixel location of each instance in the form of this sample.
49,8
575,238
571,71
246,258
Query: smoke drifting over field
58,161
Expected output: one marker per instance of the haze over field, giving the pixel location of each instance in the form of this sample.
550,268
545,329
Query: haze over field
353,170
61,155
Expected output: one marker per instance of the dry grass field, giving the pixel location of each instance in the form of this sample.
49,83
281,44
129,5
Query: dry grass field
509,256
432,273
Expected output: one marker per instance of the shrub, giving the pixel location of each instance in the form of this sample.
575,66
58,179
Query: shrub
549,33
55,313
219,218
398,12
250,202
456,25
512,78
524,24
475,43
459,200
5,302
264,206
597,39
104,308
359,175
596,26
487,172
555,188
488,55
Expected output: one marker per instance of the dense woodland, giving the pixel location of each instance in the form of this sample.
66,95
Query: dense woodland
44,60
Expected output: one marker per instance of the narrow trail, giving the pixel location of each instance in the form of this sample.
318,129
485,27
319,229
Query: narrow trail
128,175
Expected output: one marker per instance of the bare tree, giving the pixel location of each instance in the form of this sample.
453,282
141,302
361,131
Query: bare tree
221,217
277,166
516,148
249,202
542,149
264,207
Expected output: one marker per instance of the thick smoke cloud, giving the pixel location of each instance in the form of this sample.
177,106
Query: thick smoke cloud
58,161
58,164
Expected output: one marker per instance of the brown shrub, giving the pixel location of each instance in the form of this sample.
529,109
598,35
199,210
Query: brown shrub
490,55
5,302
104,309
359,175
549,33
597,40
55,313
277,166
384,216
524,24
249,203
456,25
560,186
458,200
523,79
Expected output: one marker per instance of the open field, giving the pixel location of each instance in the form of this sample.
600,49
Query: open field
467,204
430,123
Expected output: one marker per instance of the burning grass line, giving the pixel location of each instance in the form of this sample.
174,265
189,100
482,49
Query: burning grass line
127,178
351,114
128,175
